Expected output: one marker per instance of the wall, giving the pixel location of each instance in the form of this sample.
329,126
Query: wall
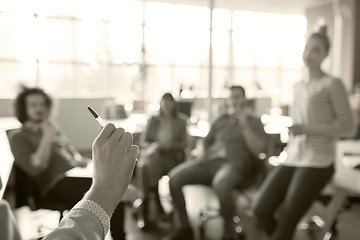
6,107
348,57
76,121
73,117
356,64
322,14
349,44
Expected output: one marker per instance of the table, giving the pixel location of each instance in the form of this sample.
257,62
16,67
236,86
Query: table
135,123
78,172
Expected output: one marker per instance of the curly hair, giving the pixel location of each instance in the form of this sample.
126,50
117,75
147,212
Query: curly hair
20,102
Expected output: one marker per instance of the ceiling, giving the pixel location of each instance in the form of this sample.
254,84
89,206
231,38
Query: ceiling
280,6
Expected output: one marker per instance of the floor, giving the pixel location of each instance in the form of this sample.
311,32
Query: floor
31,222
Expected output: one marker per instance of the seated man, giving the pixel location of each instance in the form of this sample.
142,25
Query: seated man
43,152
231,150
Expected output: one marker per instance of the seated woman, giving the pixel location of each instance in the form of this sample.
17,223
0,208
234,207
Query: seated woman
44,153
165,140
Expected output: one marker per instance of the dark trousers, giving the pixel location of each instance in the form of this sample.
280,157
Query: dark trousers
71,190
149,170
292,190
218,173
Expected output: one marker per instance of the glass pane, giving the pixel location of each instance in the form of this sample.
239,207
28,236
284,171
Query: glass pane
14,74
92,80
293,40
125,38
220,82
18,39
125,81
289,78
267,39
221,47
159,81
221,36
190,35
127,10
55,39
186,79
56,7
91,41
245,78
169,37
267,79
158,32
243,38
17,6
58,79
221,19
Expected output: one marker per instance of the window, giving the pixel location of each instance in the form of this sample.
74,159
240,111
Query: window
131,49
268,48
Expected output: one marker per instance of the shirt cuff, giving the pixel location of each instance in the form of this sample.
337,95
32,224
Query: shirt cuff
95,209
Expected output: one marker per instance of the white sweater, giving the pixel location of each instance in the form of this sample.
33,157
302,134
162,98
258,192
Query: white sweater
323,108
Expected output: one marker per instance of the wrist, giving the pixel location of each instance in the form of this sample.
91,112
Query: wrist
106,198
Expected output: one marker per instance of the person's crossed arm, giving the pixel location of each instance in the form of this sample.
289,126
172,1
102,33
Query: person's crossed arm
114,158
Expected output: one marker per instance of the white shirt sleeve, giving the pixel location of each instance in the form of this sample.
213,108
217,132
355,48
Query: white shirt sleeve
86,220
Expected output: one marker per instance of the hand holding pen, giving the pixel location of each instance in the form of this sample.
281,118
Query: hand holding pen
114,158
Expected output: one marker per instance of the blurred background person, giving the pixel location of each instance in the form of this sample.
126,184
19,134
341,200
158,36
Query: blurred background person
230,158
321,114
164,143
44,153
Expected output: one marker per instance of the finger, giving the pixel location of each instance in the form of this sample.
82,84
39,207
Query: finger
134,149
117,134
106,131
126,140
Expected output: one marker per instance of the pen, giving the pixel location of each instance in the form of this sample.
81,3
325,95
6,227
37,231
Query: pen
97,117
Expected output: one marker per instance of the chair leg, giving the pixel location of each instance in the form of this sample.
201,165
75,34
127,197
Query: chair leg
335,207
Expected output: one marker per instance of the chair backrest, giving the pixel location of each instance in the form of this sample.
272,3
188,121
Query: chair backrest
346,177
24,187
6,161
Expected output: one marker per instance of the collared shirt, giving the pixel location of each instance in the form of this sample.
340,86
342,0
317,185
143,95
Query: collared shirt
322,108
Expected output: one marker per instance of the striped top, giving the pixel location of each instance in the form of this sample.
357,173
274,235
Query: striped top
323,108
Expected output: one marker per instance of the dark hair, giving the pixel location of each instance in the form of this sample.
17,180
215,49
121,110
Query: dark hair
321,34
170,97
238,87
20,102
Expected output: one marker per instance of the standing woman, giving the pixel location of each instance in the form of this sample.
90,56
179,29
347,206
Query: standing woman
164,140
321,114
